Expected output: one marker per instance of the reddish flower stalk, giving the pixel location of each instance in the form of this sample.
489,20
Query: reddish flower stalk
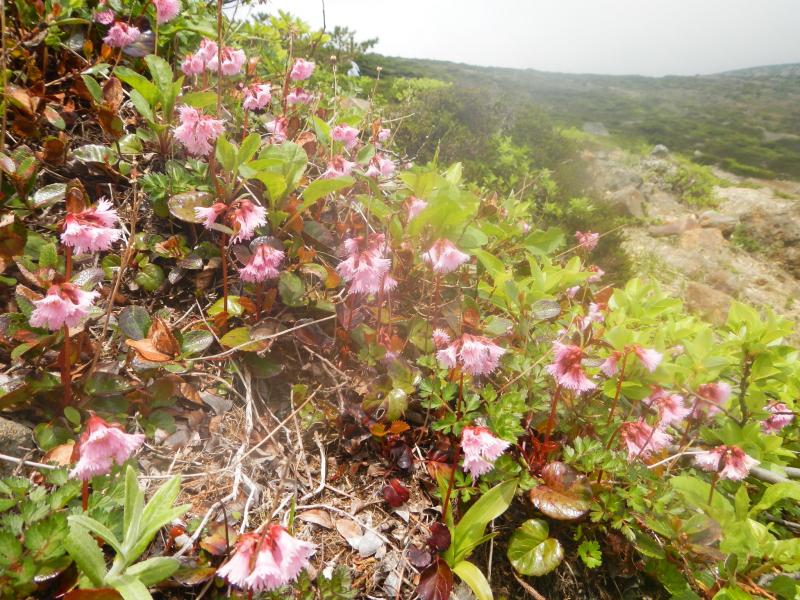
617,392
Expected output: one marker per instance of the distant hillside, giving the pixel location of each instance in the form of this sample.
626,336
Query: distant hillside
747,121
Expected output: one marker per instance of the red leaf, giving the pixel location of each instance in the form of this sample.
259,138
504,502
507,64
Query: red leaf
439,540
436,581
419,557
395,493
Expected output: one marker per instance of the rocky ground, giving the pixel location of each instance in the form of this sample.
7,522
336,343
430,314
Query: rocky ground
746,247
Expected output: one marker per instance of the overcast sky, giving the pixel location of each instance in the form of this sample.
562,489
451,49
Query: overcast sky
647,37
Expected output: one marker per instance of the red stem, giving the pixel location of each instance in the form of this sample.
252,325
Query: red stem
85,495
456,454
222,248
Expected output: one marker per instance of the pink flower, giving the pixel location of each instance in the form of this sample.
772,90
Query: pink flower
670,407
416,206
366,266
92,229
643,440
101,445
345,134
64,304
609,366
278,127
587,240
104,17
383,134
478,355
237,569
257,96
380,166
302,69
197,130
298,96
210,214
598,274
593,315
207,51
246,217
780,417
338,167
440,338
650,358
193,64
389,284
166,10
121,34
444,257
572,291
232,61
526,228
567,368
263,264
481,448
713,396
729,462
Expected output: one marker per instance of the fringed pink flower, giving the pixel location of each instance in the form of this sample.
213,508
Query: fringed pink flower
365,267
100,446
121,34
384,134
104,17
257,96
346,134
643,440
246,216
729,462
232,61
166,10
780,416
92,229
712,397
302,69
593,315
571,292
207,51
380,166
597,274
650,359
263,264
481,449
670,407
197,130
440,338
567,368
209,214
416,206
587,240
444,257
279,128
610,365
64,304
475,354
298,96
192,65
264,562
338,167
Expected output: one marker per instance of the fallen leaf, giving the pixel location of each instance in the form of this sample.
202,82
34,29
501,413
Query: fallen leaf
317,517
349,531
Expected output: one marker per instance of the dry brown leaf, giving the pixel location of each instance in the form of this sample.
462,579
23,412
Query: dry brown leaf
317,517
60,455
147,350
163,340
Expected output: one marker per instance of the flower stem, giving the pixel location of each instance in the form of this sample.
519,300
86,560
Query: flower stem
456,454
85,495
714,480
66,371
617,392
223,253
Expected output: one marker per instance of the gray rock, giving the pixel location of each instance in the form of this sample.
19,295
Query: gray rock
674,227
595,128
618,178
15,440
708,302
702,239
628,201
659,150
725,223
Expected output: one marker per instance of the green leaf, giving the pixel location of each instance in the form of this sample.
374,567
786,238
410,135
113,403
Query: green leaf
226,154
138,82
291,289
280,167
49,195
94,88
775,493
142,105
200,99
590,554
182,205
235,308
134,321
95,153
470,528
48,256
322,187
10,548
475,579
150,277
132,510
248,149
153,570
161,73
195,341
239,337
130,588
158,513
86,553
532,552
98,529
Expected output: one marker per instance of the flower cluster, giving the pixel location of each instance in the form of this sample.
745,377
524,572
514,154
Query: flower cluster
301,69
257,96
444,257
729,462
567,368
263,264
670,407
166,10
366,267
197,131
643,440
92,229
345,134
207,58
475,354
481,448
64,304
100,446
649,358
338,167
243,215
587,240
121,34
780,417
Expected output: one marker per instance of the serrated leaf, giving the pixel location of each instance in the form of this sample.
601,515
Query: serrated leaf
86,553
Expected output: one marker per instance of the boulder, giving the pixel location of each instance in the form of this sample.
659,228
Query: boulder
674,227
659,150
709,303
725,223
15,439
702,239
595,128
619,178
629,201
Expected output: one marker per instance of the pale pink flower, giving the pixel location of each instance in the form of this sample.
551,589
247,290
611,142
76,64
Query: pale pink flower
610,365
193,64
366,266
237,569
476,354
278,127
246,217
526,228
383,134
121,34
92,229
197,130
440,338
573,291
670,407
593,315
64,304
416,206
713,395
380,166
597,276
263,264
338,167
293,553
302,69
389,284
481,449
298,96
346,134
780,417
100,446
166,10
444,257
207,51
729,462
257,96
232,61
643,440
104,17
567,368
587,240
650,358
209,214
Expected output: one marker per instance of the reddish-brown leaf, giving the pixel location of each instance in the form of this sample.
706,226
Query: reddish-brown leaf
395,494
147,350
436,581
439,539
163,340
565,493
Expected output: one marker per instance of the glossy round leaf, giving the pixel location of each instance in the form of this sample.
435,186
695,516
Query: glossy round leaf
182,205
532,552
